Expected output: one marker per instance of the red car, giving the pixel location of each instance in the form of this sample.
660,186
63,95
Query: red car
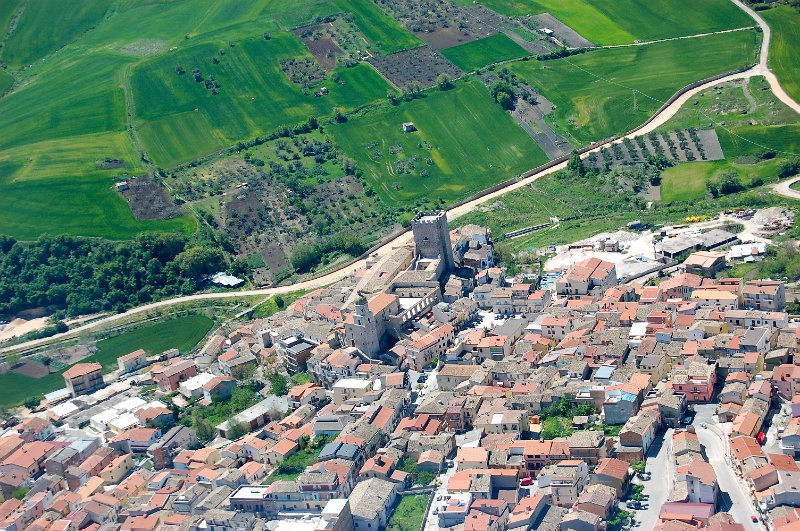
526,481
761,438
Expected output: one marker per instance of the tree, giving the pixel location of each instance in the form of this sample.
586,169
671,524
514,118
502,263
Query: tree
505,101
279,302
237,429
204,430
32,402
575,165
638,466
277,384
729,183
267,36
198,261
444,82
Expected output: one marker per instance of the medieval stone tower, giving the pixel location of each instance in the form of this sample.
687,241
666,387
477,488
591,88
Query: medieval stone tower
432,238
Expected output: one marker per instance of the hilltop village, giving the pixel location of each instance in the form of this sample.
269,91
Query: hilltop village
429,382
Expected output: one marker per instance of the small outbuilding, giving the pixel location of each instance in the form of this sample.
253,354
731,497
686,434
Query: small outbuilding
408,127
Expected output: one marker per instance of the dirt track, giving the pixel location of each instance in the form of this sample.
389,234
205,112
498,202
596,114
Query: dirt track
760,69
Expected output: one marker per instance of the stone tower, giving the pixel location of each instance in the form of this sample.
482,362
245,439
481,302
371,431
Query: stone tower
364,331
432,238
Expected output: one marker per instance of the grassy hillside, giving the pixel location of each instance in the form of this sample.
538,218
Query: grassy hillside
47,25
180,119
623,21
784,22
477,54
471,144
593,92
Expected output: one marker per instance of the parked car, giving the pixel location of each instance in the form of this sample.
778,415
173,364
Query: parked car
526,482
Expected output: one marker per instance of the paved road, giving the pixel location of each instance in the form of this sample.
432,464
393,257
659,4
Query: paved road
734,497
761,69
659,464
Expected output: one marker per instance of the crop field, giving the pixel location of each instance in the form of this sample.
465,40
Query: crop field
6,80
685,182
384,33
30,40
182,333
180,119
785,24
747,140
477,54
593,92
623,21
464,142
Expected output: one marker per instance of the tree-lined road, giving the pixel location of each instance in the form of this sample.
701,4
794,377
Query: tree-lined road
661,117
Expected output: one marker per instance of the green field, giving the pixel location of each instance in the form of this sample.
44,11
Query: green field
754,139
79,77
477,54
685,182
6,80
784,22
384,33
37,33
182,333
623,21
470,141
409,513
593,92
180,119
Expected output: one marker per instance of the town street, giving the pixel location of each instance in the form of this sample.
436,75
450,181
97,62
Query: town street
733,496
659,464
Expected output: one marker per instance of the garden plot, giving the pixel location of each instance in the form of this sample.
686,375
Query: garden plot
148,199
437,22
421,65
688,145
335,42
561,32
524,35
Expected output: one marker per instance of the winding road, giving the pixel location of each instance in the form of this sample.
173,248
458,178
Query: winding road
659,119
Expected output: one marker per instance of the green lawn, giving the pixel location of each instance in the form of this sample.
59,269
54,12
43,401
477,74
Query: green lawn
477,54
464,140
593,92
785,24
409,513
623,21
182,333
180,119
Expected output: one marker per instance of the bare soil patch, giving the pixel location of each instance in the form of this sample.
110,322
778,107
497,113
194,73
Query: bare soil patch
32,369
421,65
149,200
442,38
110,164
320,44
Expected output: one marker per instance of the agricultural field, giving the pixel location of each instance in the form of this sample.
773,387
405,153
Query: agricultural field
180,118
593,92
477,54
464,143
182,333
624,21
784,21
77,81
686,182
